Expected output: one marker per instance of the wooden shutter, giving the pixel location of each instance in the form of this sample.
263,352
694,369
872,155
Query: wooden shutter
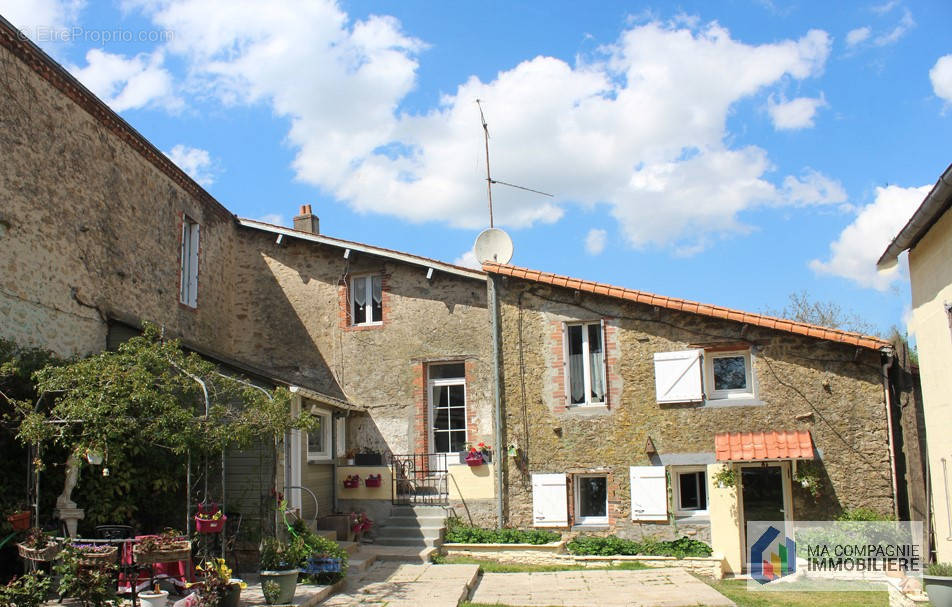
549,501
678,376
183,257
649,493
193,267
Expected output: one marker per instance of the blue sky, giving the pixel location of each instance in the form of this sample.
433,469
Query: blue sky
729,152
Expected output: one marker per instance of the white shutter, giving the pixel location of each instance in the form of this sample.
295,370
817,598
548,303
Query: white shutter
678,376
549,501
183,257
341,438
649,493
193,268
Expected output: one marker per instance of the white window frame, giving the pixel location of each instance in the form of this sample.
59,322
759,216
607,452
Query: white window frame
586,364
442,382
745,393
326,425
589,521
368,294
188,270
676,472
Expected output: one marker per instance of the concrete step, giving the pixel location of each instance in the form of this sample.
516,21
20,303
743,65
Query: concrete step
416,520
403,554
329,534
358,563
409,532
350,547
409,541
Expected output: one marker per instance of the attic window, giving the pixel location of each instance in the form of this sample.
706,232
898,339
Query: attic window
729,375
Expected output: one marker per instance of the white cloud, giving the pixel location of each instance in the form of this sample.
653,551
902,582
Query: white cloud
812,189
885,7
194,161
906,23
468,260
44,21
858,35
854,253
639,126
128,83
941,77
595,241
794,114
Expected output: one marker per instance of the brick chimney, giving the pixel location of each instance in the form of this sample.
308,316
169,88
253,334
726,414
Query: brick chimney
307,221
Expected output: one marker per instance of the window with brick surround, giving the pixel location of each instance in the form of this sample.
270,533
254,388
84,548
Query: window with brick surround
447,388
585,363
591,499
366,300
188,274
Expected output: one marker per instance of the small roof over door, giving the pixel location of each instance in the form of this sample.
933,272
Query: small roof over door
763,446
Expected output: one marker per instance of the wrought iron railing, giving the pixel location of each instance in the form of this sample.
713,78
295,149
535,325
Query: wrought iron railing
419,478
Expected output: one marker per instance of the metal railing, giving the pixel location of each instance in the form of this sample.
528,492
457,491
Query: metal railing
419,478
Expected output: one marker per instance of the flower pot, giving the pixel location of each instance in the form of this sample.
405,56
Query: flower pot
369,459
208,525
939,589
286,580
94,457
322,564
373,481
474,459
351,484
99,559
232,596
153,599
20,520
48,553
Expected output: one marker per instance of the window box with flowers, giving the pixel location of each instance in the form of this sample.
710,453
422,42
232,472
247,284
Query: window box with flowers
373,480
352,481
479,455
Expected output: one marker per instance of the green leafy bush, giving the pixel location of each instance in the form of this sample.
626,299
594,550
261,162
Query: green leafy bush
939,569
27,591
322,547
863,514
457,532
592,545
277,555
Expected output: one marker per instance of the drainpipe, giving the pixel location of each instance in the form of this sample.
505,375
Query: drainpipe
890,359
493,305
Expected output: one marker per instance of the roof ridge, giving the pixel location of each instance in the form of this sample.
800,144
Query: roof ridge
689,306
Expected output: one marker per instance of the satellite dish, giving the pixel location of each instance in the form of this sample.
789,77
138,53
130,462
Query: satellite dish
493,245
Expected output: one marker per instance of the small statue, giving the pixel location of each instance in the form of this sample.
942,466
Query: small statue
73,464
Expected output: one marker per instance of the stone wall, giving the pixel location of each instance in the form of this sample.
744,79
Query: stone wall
833,390
294,292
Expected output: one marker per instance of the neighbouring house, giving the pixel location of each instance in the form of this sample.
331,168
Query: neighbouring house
99,231
928,238
624,408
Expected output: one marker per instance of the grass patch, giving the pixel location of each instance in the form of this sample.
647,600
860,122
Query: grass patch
490,566
736,590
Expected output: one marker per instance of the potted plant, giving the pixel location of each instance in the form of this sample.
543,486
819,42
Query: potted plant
96,555
360,523
809,478
474,457
280,563
369,457
168,547
486,451
91,586
154,597
217,588
30,590
349,456
352,481
938,582
38,546
210,519
19,517
373,480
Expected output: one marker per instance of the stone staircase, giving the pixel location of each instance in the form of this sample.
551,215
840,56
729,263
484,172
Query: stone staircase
413,527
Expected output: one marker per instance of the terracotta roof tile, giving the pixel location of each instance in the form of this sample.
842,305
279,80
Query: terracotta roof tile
672,303
761,446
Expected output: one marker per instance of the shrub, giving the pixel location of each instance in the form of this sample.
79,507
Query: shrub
279,556
591,545
863,514
27,591
457,532
323,547
939,569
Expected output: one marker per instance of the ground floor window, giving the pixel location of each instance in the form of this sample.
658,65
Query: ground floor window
690,486
591,499
447,383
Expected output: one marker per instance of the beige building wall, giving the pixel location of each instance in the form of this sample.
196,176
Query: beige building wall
930,272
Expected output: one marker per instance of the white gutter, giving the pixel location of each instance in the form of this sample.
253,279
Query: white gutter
364,248
935,203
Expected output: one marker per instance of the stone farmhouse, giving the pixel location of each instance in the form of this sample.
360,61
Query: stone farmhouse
608,409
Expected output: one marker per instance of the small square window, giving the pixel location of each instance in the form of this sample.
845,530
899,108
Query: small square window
728,375
591,499
690,490
366,300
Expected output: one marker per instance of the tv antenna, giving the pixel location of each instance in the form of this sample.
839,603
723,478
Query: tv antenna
489,178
